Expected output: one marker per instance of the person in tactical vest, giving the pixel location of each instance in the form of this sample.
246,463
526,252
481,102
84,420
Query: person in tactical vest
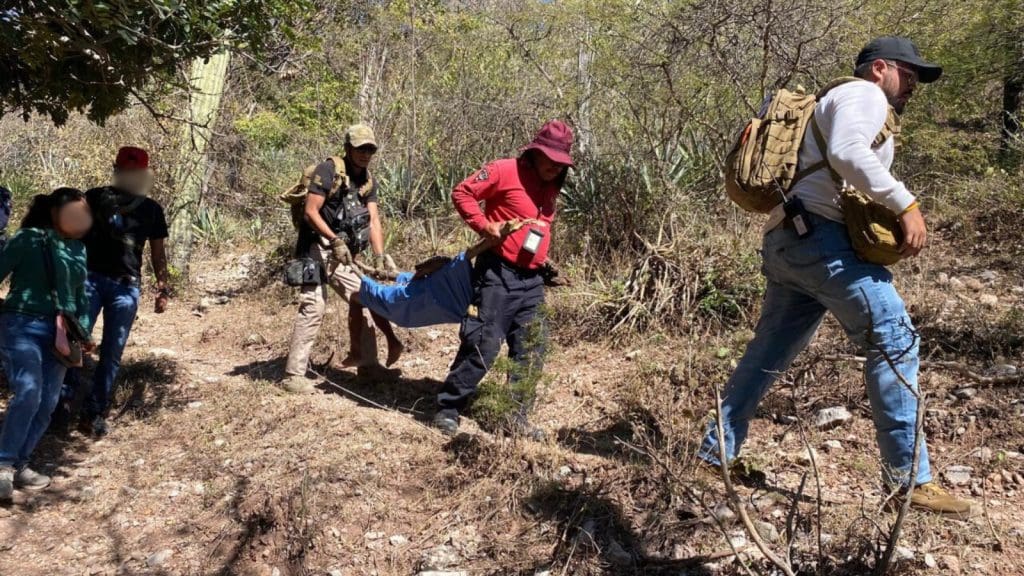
337,227
812,268
509,279
126,218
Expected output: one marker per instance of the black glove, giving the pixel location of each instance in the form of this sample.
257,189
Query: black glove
551,276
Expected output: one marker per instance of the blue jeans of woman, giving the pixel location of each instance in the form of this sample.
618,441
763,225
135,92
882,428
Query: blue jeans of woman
34,376
807,278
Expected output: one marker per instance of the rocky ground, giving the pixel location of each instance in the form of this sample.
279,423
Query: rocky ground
211,469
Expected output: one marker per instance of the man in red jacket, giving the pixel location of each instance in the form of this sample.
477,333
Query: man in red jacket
508,280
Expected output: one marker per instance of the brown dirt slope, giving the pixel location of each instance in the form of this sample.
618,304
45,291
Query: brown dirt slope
212,470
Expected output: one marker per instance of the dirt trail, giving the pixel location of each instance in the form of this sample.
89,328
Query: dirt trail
210,469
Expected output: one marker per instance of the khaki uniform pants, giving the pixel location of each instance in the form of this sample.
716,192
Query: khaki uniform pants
313,305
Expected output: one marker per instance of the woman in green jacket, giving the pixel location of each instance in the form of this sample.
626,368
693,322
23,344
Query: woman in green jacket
50,230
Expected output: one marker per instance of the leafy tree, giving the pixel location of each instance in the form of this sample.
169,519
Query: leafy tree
57,57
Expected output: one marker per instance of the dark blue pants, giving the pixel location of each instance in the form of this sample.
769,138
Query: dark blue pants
506,300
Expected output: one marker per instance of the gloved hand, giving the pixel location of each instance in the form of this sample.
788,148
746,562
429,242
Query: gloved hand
549,272
389,265
384,265
339,250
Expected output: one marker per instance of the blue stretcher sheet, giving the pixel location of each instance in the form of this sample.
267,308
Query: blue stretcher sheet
441,298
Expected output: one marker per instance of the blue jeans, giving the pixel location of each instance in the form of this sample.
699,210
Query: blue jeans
807,278
119,302
34,376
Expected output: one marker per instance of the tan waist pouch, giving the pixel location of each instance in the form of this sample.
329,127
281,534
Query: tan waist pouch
874,230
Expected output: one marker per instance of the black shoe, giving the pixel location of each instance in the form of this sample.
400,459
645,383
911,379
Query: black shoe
447,425
96,426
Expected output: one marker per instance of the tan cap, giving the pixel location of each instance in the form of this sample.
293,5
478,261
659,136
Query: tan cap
359,135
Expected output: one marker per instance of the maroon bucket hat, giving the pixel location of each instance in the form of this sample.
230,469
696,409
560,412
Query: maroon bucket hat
554,140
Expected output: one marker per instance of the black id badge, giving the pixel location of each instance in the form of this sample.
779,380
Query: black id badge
532,242
797,216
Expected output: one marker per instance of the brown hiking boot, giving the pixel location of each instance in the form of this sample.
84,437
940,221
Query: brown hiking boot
933,498
298,385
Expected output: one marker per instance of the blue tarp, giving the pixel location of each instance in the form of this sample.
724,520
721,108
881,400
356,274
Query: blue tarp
441,298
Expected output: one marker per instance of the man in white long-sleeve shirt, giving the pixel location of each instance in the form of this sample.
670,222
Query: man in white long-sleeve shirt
807,277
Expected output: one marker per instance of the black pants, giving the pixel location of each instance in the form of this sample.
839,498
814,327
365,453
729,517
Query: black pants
506,301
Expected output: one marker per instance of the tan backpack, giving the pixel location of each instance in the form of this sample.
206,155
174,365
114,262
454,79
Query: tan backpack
762,165
295,195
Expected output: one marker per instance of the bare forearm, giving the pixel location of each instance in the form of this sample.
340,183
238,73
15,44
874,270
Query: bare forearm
377,237
159,259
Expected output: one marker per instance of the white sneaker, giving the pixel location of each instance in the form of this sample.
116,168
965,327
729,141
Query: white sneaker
29,479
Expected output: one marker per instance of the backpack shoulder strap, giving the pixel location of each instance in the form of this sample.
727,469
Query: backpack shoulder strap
340,176
891,128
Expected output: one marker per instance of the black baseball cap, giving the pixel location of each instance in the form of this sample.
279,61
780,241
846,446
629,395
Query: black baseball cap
902,49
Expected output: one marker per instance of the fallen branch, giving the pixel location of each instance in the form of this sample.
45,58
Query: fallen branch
730,491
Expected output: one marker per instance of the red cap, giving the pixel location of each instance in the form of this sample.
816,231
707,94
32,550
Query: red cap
555,141
131,158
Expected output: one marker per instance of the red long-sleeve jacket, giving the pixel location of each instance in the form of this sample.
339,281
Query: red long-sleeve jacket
509,189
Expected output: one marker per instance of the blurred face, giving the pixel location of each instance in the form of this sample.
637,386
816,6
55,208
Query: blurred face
547,169
73,219
362,156
898,80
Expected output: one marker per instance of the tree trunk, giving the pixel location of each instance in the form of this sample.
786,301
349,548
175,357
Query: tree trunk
207,80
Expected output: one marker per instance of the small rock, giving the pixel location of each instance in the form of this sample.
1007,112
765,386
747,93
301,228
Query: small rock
767,530
221,300
439,558
254,339
203,305
828,418
930,562
942,279
965,393
157,559
633,355
211,379
787,419
433,334
805,457
335,572
724,513
275,572
988,276
983,453
903,553
956,285
163,353
988,299
832,446
958,475
1003,370
974,284
219,442
398,540
196,404
373,535
565,471
542,573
